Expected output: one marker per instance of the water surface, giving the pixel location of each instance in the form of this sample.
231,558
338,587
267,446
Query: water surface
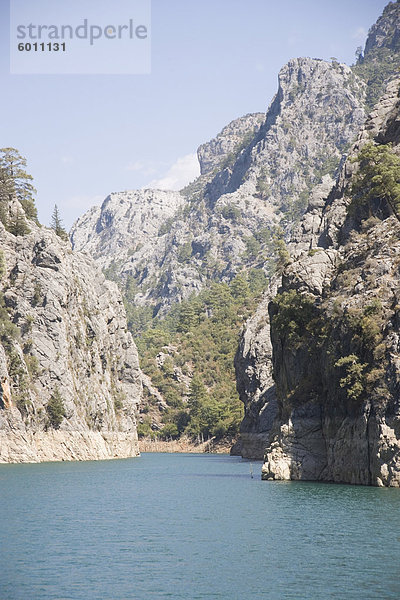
187,526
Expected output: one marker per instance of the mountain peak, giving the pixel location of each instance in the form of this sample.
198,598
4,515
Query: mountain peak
385,33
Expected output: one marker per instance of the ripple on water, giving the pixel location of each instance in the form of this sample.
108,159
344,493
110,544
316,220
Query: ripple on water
192,527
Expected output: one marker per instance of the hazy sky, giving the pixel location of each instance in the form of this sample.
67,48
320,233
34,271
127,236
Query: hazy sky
85,136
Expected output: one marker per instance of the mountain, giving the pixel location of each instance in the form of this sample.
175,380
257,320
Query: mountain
381,58
318,364
314,250
251,183
69,370
172,253
192,273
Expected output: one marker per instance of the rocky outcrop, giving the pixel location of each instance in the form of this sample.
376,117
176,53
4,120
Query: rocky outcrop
254,380
234,137
334,338
381,59
385,33
125,230
66,355
316,113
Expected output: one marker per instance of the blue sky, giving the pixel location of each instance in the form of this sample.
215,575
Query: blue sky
85,136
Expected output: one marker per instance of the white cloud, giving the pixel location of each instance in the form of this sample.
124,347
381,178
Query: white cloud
360,34
81,203
183,171
293,40
146,168
67,160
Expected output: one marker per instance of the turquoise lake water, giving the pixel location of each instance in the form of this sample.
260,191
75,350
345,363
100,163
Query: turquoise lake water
187,526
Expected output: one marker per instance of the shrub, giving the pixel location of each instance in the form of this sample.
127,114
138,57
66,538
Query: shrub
166,226
378,178
37,297
231,212
2,264
295,317
253,246
32,364
55,409
184,252
353,381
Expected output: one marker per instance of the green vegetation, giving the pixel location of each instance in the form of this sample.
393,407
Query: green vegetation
253,246
2,264
327,166
166,226
32,364
353,381
17,225
282,255
37,297
231,213
57,224
231,157
381,63
345,346
184,252
295,317
9,335
267,246
8,331
378,66
55,409
263,188
198,339
15,183
378,178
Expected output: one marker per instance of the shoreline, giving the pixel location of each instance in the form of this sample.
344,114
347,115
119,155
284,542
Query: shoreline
185,445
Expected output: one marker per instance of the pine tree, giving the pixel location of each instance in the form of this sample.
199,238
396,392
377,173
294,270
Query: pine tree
6,186
378,177
197,395
57,225
6,194
15,182
55,409
18,225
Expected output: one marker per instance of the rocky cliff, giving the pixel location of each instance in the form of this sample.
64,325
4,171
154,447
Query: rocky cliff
381,57
385,33
318,363
235,136
70,379
255,182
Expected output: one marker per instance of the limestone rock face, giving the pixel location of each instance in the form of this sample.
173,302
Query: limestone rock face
238,133
329,340
125,229
385,33
316,112
254,379
253,179
63,338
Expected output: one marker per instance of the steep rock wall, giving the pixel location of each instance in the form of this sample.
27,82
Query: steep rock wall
66,357
336,400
